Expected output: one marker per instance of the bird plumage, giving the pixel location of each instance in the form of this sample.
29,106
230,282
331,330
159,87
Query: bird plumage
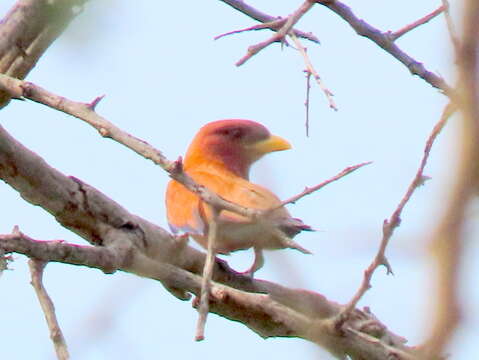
219,157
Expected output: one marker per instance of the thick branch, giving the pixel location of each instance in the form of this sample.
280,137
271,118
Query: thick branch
277,311
28,30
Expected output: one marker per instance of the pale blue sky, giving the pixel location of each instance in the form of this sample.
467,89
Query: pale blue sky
164,76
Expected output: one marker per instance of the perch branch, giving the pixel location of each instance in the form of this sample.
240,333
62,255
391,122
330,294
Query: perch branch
276,311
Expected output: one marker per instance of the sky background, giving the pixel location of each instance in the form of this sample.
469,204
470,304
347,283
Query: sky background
164,77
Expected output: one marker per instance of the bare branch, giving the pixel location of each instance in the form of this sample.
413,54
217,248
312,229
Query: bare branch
27,31
276,24
207,276
250,11
36,270
310,190
397,34
271,310
384,41
280,35
394,221
310,69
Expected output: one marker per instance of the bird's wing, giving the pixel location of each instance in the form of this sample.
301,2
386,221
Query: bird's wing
239,191
184,210
187,213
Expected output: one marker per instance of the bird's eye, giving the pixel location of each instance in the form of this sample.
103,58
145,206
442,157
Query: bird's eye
232,133
236,133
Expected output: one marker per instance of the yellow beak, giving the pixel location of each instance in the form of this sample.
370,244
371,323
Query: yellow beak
273,143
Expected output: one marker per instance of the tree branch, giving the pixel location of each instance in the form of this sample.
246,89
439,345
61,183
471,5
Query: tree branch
271,310
203,308
291,20
394,221
36,270
397,34
274,22
28,30
384,41
311,70
310,190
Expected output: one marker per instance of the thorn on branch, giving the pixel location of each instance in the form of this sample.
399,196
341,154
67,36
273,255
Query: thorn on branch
387,265
422,180
176,167
92,105
104,132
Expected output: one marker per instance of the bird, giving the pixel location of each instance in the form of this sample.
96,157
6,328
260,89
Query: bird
219,158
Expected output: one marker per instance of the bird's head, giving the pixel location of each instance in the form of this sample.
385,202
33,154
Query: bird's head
232,144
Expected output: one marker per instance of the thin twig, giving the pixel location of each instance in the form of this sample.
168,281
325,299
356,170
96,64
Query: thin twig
310,68
280,35
36,270
394,221
254,13
273,25
310,190
306,102
383,40
207,276
397,34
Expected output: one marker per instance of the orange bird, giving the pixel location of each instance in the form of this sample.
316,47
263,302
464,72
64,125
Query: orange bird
219,157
